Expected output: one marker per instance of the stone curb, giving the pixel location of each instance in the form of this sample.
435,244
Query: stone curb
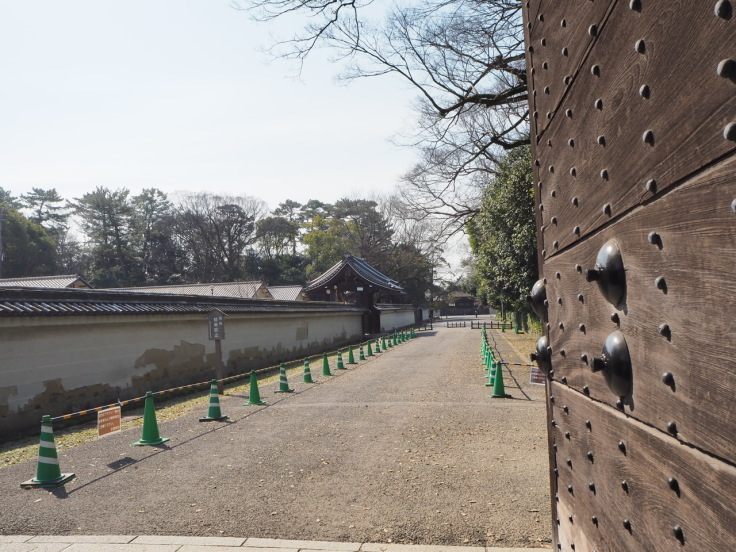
158,543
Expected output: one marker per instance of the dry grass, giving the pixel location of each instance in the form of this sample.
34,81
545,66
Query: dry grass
170,409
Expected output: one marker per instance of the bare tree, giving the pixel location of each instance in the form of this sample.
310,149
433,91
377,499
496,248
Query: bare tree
466,60
215,231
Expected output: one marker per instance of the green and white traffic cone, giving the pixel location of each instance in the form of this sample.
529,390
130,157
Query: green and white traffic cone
383,343
307,373
361,355
254,397
351,356
378,346
491,374
326,365
214,414
412,335
369,350
340,365
499,391
283,382
150,434
48,472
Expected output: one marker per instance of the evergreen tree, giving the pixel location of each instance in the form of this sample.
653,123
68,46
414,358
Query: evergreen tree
503,235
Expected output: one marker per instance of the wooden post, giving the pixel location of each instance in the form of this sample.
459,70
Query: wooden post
219,367
216,327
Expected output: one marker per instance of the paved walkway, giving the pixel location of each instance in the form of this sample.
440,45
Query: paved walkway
143,543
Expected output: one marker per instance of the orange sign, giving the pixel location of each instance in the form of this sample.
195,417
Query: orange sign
108,421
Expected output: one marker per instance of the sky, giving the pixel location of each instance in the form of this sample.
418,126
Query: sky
177,95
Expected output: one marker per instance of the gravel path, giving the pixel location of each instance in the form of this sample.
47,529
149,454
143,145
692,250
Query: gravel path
405,447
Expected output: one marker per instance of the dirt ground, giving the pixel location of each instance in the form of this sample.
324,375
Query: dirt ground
405,447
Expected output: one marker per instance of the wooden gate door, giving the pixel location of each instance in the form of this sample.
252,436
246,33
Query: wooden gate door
633,127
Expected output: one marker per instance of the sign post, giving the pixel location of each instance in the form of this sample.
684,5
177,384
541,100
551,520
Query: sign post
108,421
537,377
216,326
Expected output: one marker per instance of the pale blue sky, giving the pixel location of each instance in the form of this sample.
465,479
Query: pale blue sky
175,95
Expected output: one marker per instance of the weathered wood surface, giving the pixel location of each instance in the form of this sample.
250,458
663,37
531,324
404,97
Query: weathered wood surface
697,227
701,502
687,107
560,41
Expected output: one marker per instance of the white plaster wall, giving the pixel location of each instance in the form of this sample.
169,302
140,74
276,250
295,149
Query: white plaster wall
396,319
57,365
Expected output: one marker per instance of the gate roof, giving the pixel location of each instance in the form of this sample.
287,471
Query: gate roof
355,268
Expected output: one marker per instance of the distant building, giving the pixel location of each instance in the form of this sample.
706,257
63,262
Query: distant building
353,280
288,293
51,282
461,299
246,290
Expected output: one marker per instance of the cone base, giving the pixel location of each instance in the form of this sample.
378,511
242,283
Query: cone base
35,484
342,367
284,391
310,380
143,443
254,403
217,419
504,396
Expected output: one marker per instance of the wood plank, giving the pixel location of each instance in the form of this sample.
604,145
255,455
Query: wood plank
702,504
557,44
696,223
687,109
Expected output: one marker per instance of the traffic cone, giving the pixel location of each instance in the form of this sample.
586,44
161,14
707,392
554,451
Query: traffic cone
48,473
378,346
326,365
491,374
214,414
340,365
516,329
361,356
150,435
499,391
369,350
283,382
503,327
254,397
383,343
412,334
307,373
351,356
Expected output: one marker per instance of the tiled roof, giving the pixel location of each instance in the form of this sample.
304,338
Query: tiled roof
361,269
286,293
225,289
55,282
74,302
